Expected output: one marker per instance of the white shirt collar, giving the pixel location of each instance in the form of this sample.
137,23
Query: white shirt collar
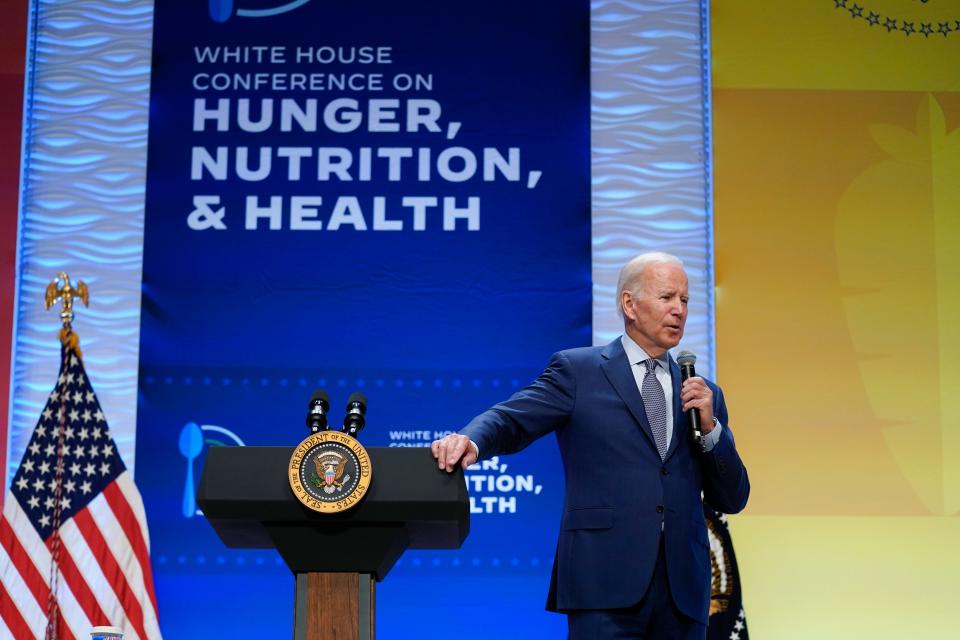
636,354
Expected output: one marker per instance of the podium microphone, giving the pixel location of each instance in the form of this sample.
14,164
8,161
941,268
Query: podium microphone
354,420
318,408
686,360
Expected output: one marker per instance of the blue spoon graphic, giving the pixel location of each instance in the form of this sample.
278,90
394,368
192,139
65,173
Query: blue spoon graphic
191,444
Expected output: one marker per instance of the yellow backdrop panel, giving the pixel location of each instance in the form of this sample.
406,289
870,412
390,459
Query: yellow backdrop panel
837,222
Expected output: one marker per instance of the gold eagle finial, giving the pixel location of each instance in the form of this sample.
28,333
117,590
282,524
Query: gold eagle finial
66,293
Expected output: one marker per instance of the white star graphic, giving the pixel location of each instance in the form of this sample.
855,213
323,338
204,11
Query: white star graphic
738,625
104,468
87,416
41,430
85,488
34,502
89,469
50,450
97,432
90,397
94,451
47,414
68,433
52,485
44,467
74,469
73,361
78,451
99,416
38,484
84,434
74,415
22,484
69,486
54,396
34,448
108,450
28,465
62,378
69,378
44,521
77,397
48,503
64,502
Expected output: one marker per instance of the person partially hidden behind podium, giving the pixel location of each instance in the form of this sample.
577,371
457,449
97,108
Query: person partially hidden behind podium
632,558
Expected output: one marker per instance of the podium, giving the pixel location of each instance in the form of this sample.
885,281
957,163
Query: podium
336,558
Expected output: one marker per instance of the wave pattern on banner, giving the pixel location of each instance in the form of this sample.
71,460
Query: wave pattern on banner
648,159
85,136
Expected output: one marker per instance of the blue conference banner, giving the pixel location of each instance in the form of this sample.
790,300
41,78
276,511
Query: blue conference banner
360,195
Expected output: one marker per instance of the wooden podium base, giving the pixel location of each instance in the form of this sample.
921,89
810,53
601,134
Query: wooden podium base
334,606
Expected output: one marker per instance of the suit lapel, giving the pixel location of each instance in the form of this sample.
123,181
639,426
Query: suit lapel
679,418
617,369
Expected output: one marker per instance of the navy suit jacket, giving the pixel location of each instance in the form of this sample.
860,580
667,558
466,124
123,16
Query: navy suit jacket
619,494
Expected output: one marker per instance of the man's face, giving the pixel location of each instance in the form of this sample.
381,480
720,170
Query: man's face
656,315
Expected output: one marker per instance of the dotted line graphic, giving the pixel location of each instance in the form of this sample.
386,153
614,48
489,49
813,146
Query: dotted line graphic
897,25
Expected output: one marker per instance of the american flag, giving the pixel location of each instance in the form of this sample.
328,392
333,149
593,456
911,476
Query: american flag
74,548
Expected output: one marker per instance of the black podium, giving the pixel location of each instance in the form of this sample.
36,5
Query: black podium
336,558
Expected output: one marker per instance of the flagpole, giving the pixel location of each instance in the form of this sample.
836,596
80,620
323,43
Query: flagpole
70,343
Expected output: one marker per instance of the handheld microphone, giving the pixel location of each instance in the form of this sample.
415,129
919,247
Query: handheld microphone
318,407
356,409
686,360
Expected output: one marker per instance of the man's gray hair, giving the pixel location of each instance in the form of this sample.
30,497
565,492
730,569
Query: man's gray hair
632,272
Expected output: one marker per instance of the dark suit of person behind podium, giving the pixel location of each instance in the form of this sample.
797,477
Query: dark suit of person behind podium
632,536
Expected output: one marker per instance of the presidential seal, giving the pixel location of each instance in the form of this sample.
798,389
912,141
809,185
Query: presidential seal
330,472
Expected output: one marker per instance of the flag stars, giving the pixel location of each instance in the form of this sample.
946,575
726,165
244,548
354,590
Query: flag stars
90,397
45,521
34,502
74,415
84,433
738,625
87,415
38,485
107,450
41,431
104,468
48,503
22,484
97,432
62,379
77,397
34,448
75,469
94,452
54,396
52,485
28,465
69,486
44,467
70,378
99,416
68,433
86,488
89,469
51,450
78,451
65,503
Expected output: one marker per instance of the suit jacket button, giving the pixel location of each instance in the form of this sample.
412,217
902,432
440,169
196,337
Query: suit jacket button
659,508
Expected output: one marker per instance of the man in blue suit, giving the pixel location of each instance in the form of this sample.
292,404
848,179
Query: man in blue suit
632,558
